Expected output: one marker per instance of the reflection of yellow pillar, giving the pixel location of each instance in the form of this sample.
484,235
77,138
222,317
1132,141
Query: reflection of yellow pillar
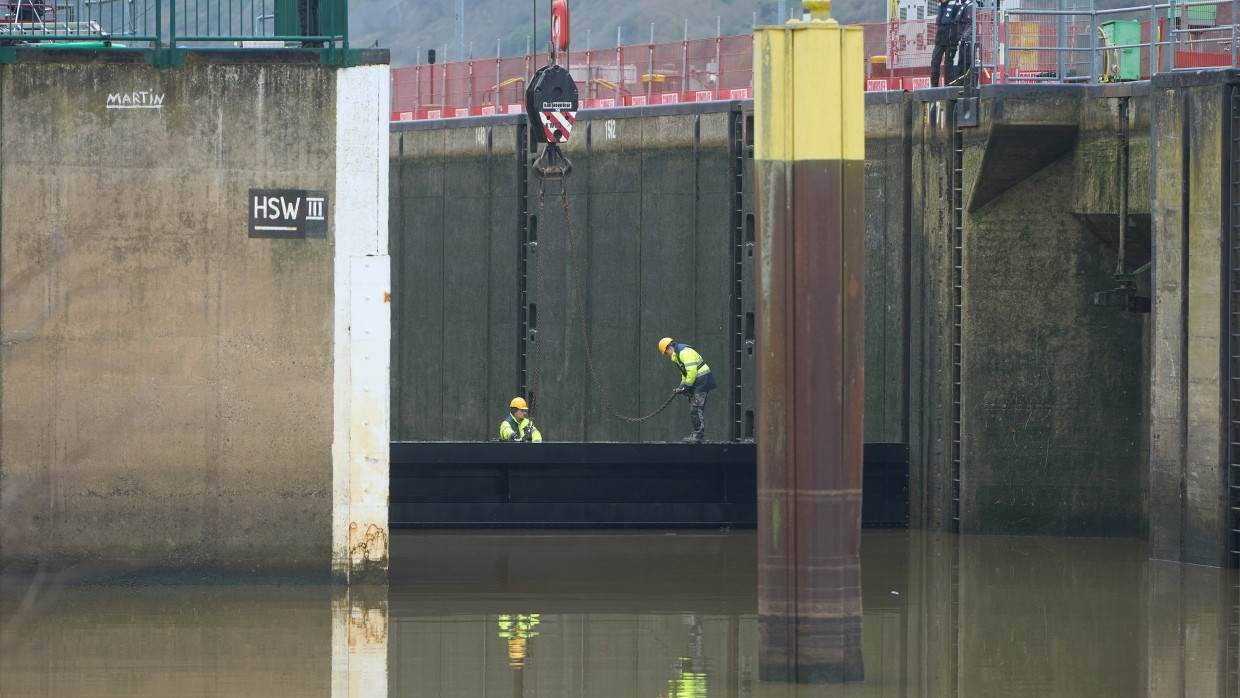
810,157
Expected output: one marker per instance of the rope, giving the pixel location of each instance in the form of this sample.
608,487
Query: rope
1109,73
581,313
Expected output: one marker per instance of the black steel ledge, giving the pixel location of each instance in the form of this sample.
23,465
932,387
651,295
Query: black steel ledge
606,485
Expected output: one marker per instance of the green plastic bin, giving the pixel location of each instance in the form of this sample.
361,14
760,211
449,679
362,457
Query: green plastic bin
1197,15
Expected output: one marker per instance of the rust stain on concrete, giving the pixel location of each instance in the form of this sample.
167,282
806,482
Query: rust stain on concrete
371,546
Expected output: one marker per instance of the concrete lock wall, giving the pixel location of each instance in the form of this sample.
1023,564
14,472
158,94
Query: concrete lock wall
177,393
1194,207
1052,382
1050,385
1076,416
658,217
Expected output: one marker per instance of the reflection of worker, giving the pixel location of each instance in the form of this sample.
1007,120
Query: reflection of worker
689,670
695,381
516,427
945,39
518,630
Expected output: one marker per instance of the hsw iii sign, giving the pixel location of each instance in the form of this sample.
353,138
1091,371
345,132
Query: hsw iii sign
288,213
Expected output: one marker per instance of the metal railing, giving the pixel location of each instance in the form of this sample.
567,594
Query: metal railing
1122,44
175,23
1067,44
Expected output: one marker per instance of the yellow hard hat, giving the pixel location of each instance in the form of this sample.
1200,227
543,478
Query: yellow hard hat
519,403
663,344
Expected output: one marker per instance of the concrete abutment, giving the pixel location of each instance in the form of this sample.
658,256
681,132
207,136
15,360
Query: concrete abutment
187,388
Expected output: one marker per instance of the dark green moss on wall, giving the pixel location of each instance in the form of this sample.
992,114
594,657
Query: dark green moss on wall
1051,383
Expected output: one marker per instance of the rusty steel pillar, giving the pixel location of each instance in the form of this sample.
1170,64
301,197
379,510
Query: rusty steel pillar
810,153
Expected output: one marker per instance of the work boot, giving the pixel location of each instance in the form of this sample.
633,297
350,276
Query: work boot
693,439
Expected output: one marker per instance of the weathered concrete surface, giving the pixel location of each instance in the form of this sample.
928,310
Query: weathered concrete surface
1051,383
361,377
1050,386
888,184
172,388
1188,435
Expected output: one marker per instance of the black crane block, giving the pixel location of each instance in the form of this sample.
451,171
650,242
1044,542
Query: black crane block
551,104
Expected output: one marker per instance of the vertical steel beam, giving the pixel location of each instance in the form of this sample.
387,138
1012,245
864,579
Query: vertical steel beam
810,151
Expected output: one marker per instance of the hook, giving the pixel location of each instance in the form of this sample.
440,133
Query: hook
552,165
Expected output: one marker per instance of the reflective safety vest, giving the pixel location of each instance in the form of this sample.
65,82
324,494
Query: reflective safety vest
510,427
691,364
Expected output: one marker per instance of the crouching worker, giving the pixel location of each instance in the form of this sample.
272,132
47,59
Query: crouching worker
516,427
695,381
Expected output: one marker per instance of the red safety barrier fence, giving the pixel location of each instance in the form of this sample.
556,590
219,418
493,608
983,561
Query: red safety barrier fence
1027,46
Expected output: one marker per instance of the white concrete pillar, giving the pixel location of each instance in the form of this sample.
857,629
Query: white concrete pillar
363,327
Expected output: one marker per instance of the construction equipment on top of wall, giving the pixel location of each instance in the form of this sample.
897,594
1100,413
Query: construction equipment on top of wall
551,102
24,18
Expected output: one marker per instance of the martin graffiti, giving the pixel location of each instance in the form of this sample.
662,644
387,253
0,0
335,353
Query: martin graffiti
142,99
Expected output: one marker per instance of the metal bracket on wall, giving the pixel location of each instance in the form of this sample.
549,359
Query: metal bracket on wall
165,56
339,57
966,112
1128,297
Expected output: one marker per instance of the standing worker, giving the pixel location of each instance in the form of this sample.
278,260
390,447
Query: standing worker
695,381
964,54
516,427
945,40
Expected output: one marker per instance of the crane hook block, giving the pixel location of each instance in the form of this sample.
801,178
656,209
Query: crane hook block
551,104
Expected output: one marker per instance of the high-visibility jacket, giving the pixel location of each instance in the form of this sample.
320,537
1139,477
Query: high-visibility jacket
510,428
691,364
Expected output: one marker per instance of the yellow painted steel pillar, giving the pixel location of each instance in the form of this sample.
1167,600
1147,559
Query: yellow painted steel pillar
809,116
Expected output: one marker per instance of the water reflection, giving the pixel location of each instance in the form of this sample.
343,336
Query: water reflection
653,614
639,614
168,641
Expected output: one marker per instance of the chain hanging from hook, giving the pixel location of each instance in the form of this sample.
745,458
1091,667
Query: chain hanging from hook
581,310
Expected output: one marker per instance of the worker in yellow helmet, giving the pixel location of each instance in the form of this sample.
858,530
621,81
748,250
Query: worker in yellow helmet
695,381
516,427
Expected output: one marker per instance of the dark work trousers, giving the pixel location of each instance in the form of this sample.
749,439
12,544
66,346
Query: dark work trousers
697,404
308,10
697,412
940,52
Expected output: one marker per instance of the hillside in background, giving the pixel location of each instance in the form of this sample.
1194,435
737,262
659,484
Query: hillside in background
410,27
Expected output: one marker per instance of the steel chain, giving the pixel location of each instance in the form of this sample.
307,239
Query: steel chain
581,313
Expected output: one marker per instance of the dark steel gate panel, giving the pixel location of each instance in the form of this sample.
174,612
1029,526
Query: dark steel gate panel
607,485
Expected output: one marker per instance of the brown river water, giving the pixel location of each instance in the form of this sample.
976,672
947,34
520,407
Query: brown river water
641,614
